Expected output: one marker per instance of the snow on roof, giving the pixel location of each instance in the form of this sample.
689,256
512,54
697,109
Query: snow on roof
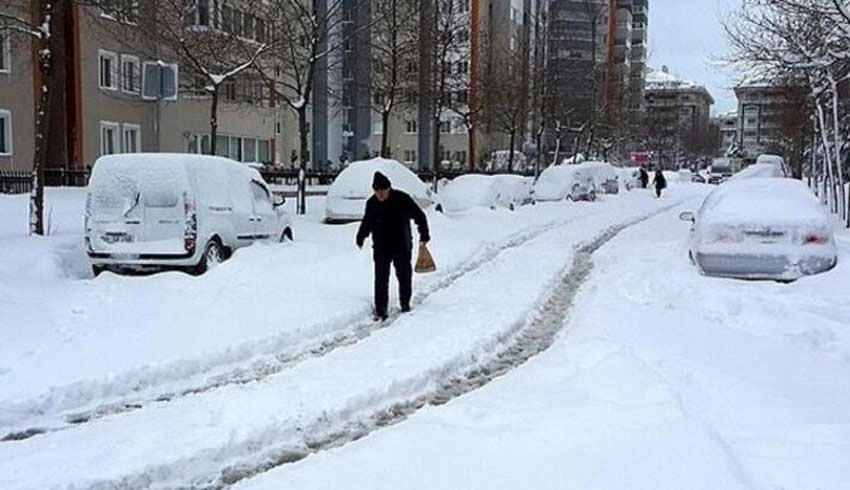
661,79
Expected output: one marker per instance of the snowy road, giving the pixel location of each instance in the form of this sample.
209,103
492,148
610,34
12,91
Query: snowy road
222,435
648,376
662,379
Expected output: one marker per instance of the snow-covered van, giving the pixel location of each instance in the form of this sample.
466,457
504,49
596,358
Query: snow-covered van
158,210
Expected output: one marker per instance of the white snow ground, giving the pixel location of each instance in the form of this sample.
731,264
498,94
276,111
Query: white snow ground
662,379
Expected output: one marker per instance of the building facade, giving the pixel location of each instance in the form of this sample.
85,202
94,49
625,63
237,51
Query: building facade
98,109
759,109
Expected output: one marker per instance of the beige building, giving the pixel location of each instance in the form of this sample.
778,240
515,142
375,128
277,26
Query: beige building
759,109
101,110
16,103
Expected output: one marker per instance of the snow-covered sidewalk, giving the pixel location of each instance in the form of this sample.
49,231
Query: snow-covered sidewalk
662,379
203,437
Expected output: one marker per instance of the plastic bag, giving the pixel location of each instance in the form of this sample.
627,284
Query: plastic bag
424,261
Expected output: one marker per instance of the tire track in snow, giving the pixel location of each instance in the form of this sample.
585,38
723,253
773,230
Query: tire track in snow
523,342
259,369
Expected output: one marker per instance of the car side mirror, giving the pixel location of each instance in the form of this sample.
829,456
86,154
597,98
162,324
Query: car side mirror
279,200
688,216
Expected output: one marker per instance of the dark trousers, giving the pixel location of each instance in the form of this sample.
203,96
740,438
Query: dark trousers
658,191
401,261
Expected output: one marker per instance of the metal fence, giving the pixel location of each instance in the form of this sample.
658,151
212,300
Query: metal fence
18,182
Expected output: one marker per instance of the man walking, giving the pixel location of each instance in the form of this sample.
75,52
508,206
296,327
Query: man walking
644,178
387,219
660,183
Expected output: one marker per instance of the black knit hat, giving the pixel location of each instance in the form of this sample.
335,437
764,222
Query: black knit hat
380,182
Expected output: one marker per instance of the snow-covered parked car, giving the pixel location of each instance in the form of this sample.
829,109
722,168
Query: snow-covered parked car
489,191
766,166
560,182
685,175
604,176
761,228
159,210
347,196
629,178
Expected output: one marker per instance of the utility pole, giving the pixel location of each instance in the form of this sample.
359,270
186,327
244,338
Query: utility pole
473,79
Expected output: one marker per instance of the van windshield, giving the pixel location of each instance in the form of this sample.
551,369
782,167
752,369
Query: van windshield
124,190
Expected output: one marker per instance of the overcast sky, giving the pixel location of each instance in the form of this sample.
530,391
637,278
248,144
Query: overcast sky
686,35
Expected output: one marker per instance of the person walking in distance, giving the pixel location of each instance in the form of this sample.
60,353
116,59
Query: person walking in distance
644,178
660,183
387,220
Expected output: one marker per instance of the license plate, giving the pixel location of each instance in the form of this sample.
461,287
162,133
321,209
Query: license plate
117,238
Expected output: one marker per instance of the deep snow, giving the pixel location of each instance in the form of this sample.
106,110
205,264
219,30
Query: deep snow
662,379
196,436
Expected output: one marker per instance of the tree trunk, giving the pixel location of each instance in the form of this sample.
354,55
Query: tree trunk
42,125
302,170
511,154
385,136
837,142
829,180
214,120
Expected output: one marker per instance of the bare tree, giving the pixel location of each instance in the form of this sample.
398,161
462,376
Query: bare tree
508,108
307,37
394,45
15,19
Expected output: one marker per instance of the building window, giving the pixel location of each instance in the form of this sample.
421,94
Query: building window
5,132
5,53
109,143
130,74
410,127
108,70
132,138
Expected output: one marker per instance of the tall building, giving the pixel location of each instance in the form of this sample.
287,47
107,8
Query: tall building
728,127
596,59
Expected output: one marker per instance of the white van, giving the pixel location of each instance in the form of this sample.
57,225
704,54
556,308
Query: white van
160,210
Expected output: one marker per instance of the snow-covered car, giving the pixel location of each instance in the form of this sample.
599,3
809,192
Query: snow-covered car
775,160
761,228
761,170
347,196
489,191
604,176
685,175
159,210
629,178
699,178
560,182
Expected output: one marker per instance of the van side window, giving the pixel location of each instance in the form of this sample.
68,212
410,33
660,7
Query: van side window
262,199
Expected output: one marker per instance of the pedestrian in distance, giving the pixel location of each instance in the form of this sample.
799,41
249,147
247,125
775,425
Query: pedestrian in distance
660,183
644,178
387,220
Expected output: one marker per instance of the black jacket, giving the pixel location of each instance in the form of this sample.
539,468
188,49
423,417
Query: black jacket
389,223
660,181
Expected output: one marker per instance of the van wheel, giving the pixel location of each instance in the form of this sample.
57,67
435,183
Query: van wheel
98,270
286,235
213,255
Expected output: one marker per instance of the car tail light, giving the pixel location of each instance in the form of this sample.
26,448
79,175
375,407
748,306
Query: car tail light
815,239
190,232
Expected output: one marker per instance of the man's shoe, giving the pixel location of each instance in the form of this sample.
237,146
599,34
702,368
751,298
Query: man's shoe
405,309
379,317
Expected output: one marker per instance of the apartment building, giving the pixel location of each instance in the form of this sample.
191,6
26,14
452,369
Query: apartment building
98,108
727,124
759,108
16,103
596,57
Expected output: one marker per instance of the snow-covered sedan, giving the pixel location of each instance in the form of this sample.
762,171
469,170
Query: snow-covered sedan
488,191
560,182
347,196
761,228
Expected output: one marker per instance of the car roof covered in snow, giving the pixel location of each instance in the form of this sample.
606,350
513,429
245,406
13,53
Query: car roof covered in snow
355,182
764,202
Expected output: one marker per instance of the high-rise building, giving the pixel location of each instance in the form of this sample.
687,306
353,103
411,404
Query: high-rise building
759,107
